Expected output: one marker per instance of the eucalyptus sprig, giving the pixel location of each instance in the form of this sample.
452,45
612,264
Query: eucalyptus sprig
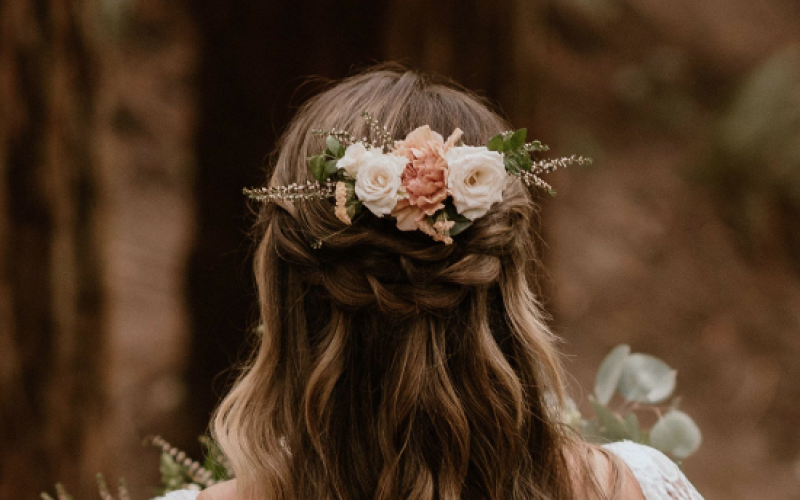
645,384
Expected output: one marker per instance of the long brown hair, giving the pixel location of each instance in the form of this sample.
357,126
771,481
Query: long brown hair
392,366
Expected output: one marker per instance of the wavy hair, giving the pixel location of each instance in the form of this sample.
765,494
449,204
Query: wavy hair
391,366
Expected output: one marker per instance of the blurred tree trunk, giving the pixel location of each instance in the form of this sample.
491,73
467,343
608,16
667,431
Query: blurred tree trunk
51,298
96,217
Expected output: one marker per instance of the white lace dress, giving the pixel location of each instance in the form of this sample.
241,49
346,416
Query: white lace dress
658,476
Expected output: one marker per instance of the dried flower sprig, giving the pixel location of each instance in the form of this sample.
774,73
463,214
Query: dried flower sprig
61,493
191,468
548,166
380,136
342,136
105,494
293,192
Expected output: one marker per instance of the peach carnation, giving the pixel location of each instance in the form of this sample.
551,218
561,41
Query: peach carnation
424,178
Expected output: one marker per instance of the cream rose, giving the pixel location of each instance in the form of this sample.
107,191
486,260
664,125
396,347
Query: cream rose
379,182
476,179
354,155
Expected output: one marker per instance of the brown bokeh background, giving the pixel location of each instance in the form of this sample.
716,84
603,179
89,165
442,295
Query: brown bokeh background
129,127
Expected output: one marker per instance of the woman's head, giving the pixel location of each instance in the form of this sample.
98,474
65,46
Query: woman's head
391,365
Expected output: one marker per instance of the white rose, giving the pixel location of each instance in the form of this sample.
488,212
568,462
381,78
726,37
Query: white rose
354,155
379,182
476,179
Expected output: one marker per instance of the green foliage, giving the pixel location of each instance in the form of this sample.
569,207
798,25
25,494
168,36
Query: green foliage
317,165
215,461
676,434
516,153
642,381
496,143
461,222
609,373
323,165
646,379
178,471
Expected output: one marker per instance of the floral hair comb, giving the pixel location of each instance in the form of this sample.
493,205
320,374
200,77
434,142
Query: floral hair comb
425,182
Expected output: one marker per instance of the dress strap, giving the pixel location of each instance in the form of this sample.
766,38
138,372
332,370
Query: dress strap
657,475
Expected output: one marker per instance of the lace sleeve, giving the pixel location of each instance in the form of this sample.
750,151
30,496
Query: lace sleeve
657,475
180,495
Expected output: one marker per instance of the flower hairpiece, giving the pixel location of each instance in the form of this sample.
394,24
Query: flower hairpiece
425,182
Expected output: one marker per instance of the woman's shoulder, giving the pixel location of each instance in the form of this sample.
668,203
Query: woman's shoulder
658,476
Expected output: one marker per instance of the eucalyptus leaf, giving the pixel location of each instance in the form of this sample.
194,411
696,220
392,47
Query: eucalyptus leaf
330,168
610,425
609,373
333,145
676,434
517,139
452,214
317,167
459,227
632,423
646,379
495,143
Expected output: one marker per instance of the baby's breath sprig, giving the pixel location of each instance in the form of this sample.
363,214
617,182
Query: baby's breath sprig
381,137
344,137
536,147
534,180
548,166
292,192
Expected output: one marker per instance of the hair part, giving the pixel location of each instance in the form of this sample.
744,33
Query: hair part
391,366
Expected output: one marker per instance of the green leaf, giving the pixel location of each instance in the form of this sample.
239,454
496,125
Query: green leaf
172,477
525,162
354,207
609,373
511,164
317,166
609,424
676,434
646,379
333,145
459,226
330,168
495,143
632,423
214,459
517,139
452,214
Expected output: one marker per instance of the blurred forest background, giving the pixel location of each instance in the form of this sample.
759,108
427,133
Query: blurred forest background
129,127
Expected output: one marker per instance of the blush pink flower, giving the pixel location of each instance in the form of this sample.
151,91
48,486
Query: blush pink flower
424,178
